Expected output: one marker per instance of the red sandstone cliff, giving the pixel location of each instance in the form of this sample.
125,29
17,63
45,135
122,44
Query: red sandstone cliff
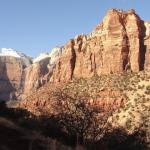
19,76
119,44
11,77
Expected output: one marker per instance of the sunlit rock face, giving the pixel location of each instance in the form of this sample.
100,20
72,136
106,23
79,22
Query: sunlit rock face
119,44
34,75
41,70
116,45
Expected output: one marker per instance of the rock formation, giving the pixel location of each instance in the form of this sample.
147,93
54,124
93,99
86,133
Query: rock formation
91,67
119,44
103,92
19,76
147,46
11,72
41,70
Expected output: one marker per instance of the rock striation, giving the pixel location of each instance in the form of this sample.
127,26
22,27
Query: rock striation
119,44
41,70
147,46
12,65
20,75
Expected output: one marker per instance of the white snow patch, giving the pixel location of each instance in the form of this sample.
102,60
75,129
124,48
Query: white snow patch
54,55
11,52
41,57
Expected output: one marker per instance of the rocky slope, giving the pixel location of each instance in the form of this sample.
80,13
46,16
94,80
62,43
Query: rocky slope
104,92
110,68
135,113
126,96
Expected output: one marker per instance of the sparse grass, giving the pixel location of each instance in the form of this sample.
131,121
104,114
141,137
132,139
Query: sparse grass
133,88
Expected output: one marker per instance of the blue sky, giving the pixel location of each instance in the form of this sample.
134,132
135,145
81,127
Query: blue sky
35,26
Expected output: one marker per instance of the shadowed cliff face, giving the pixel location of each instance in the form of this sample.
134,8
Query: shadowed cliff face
6,87
147,46
17,80
143,47
11,71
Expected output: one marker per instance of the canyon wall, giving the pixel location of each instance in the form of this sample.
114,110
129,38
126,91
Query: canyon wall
20,75
119,44
11,77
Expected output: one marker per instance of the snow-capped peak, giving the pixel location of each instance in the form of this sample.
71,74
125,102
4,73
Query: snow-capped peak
13,53
9,52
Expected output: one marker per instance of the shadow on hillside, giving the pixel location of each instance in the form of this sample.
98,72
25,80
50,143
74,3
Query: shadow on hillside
12,134
45,125
118,139
12,139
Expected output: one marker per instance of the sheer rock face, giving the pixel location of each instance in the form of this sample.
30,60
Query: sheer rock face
115,46
18,80
35,75
65,66
119,44
40,72
11,73
147,46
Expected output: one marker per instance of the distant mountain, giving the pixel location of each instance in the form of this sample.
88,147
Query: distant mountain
21,74
54,55
13,53
41,70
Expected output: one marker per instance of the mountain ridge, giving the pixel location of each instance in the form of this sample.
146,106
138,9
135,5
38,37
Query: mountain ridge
94,91
119,44
21,74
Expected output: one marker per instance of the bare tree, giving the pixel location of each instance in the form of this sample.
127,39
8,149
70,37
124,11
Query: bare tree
78,116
